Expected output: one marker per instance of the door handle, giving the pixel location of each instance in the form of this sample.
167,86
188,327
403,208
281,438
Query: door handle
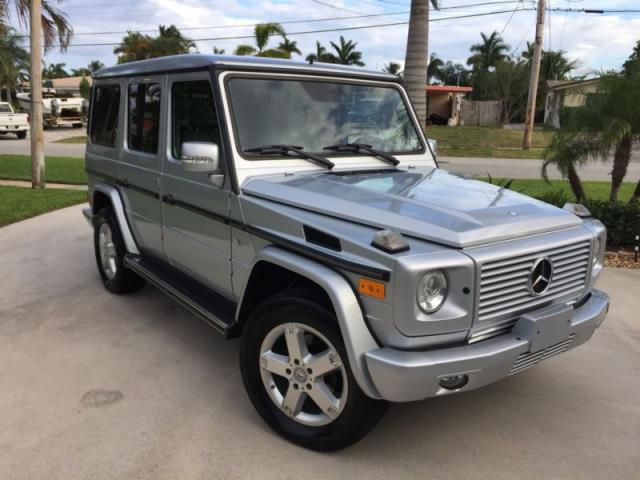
169,199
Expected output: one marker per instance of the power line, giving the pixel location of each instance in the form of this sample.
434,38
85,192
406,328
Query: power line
510,18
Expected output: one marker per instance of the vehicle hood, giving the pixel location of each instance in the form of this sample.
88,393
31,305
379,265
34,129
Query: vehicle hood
429,203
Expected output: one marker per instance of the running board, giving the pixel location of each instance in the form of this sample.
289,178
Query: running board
210,306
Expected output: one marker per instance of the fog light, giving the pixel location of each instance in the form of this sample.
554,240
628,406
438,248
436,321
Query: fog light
454,382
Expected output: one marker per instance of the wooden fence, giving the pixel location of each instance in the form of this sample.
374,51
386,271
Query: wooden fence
477,113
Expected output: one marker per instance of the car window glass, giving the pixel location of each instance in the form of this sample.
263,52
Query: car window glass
104,116
194,115
144,117
5,109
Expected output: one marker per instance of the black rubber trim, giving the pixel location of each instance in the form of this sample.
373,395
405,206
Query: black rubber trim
124,183
322,239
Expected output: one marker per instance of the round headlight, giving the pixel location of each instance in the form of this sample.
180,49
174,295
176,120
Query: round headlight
432,291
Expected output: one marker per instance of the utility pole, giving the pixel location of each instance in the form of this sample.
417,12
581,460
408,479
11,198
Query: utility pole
535,76
37,139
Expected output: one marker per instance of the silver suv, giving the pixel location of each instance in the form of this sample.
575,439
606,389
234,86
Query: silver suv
302,209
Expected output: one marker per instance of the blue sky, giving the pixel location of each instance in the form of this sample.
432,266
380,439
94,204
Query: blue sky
598,41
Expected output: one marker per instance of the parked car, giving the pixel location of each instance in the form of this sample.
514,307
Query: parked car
355,271
11,122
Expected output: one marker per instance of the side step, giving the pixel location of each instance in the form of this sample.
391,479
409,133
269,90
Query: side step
210,306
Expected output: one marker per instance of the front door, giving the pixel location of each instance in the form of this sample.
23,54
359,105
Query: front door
197,238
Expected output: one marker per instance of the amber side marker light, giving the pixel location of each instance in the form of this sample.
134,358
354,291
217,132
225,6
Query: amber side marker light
371,288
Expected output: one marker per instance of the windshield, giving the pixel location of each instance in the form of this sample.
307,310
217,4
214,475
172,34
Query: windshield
318,114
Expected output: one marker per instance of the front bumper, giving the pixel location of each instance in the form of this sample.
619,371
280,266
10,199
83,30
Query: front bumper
402,376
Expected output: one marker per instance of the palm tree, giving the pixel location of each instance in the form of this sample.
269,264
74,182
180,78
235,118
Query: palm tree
135,46
289,46
55,23
55,70
218,51
80,72
170,42
487,54
346,53
321,55
415,63
393,68
14,61
95,65
262,32
435,67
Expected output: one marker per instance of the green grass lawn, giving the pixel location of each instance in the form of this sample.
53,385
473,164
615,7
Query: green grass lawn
594,190
78,139
19,203
58,169
487,142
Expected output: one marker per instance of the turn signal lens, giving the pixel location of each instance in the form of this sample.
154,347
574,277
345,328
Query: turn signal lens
371,288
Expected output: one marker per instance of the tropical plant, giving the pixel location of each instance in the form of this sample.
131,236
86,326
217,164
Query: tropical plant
454,74
80,72
632,65
55,23
488,53
434,68
218,51
393,68
14,62
55,70
85,88
137,46
346,53
415,64
289,46
262,32
321,55
95,65
511,78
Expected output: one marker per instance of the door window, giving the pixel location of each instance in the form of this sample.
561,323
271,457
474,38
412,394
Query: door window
104,117
194,115
144,117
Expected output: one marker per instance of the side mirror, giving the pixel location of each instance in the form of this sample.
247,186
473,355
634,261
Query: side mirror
200,157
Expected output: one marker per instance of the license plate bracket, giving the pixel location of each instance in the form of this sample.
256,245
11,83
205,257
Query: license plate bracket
545,327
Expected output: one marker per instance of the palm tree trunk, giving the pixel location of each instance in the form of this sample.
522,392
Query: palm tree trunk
415,67
621,160
576,184
636,194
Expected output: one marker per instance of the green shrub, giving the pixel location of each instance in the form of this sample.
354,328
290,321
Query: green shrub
622,220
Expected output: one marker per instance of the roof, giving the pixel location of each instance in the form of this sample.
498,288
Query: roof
199,61
68,82
564,84
448,89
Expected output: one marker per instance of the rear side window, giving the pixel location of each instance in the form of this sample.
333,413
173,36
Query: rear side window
144,117
104,117
194,115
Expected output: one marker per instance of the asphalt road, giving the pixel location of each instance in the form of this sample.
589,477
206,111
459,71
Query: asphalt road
97,386
496,167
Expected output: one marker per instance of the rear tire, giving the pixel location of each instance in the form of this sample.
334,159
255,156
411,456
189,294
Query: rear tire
110,251
310,398
21,135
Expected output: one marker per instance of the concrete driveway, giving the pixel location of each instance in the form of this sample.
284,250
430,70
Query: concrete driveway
96,386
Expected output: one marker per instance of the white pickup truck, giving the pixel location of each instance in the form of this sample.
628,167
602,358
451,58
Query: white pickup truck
11,122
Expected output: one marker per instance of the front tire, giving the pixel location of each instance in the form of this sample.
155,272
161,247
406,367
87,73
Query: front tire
296,372
110,251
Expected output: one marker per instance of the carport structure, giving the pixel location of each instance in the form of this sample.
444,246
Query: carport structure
444,104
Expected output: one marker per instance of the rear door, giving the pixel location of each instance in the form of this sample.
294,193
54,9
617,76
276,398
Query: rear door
141,160
197,237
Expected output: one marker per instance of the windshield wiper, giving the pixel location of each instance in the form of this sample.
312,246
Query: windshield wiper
285,150
362,148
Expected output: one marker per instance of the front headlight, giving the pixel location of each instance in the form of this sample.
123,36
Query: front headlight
432,291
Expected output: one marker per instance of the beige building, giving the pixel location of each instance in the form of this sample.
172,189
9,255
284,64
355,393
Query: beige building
444,103
566,94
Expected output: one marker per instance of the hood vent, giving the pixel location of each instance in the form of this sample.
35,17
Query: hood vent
326,240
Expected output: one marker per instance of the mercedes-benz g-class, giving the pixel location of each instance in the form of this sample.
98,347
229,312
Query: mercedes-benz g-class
302,209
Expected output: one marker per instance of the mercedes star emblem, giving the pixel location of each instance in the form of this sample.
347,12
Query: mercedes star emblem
540,276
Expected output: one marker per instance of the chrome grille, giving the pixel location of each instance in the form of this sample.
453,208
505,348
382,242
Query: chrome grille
528,360
504,293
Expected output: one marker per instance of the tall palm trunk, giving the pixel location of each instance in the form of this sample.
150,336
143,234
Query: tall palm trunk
621,160
576,184
415,67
